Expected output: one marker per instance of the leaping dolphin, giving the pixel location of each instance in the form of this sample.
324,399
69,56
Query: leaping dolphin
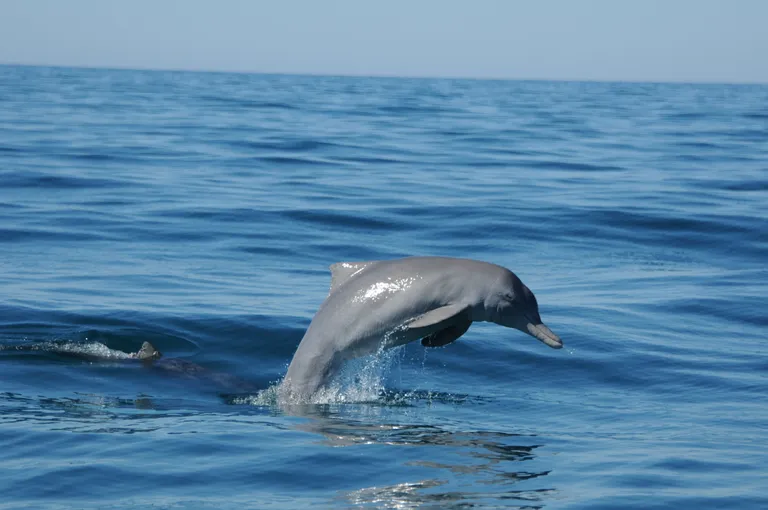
383,304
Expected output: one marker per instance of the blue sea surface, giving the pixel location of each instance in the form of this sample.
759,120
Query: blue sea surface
200,212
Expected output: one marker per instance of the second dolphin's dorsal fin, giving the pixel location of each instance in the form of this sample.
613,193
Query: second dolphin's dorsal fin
343,271
148,352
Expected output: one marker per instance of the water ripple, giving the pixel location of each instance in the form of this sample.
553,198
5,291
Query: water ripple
200,212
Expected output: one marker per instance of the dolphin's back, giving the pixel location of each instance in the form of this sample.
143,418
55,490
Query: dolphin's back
383,295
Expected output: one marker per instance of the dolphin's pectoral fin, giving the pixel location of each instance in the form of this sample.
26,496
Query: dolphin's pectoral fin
447,335
439,319
343,271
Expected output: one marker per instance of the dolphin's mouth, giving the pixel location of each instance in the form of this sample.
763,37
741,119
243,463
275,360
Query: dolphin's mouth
543,333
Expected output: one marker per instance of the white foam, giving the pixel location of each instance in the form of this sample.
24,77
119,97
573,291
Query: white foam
361,380
91,349
95,349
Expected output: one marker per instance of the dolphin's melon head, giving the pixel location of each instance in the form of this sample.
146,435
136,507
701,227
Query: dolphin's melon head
511,304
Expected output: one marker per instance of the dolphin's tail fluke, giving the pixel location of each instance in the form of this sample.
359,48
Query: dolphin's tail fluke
148,352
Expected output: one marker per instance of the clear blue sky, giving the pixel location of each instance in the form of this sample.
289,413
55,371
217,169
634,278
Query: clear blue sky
644,40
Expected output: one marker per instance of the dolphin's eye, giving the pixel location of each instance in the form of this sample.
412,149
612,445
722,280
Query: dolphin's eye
509,297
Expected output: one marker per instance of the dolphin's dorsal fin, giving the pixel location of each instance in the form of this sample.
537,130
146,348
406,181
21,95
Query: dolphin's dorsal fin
343,271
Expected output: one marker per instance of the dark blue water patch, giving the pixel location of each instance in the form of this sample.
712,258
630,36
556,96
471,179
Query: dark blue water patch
717,233
278,335
701,145
410,110
8,149
498,228
669,224
66,323
725,309
568,166
288,161
222,215
382,158
340,220
747,135
688,116
100,485
288,145
155,231
756,116
17,235
508,151
692,158
31,179
733,135
741,185
95,157
13,207
271,250
240,102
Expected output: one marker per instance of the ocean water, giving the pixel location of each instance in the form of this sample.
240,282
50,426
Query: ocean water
200,212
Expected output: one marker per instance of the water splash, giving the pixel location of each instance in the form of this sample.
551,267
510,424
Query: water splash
361,380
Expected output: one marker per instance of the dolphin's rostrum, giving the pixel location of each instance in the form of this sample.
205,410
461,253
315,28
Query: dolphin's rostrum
382,304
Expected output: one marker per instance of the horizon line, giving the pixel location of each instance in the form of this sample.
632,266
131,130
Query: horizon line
382,75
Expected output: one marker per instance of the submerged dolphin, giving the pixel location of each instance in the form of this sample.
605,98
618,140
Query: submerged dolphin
153,358
382,304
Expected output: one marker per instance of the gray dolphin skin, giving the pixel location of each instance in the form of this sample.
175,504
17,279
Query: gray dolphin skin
153,358
383,304
147,353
